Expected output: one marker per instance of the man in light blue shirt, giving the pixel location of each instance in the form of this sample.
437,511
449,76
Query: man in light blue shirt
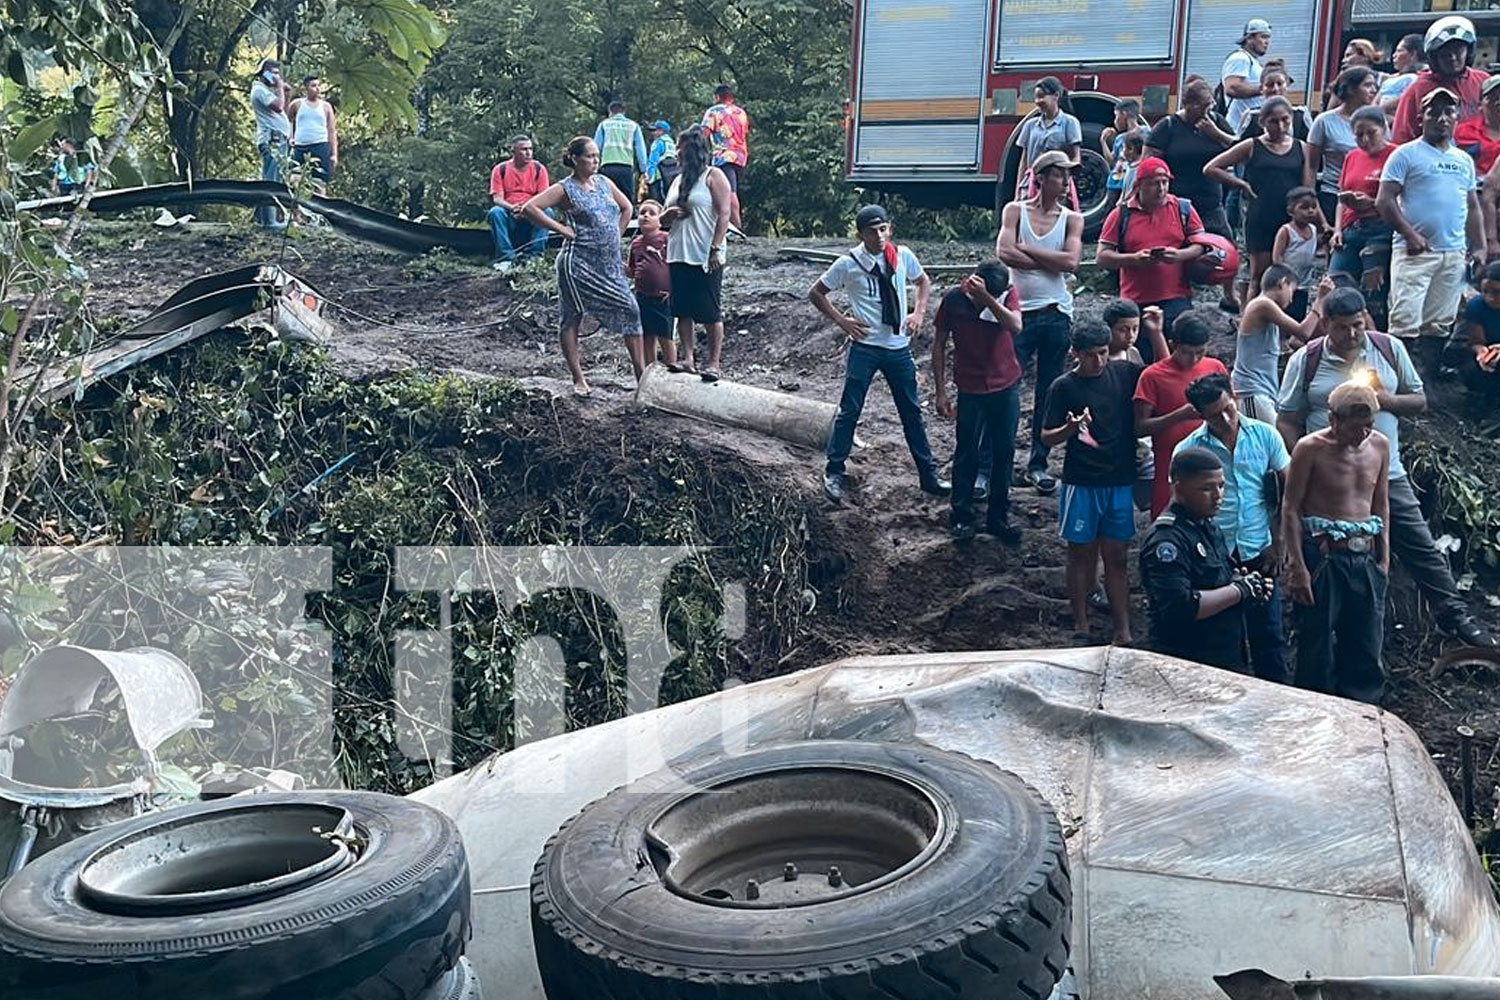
1252,452
874,276
1427,194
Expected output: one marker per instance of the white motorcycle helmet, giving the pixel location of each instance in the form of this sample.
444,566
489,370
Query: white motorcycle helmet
1447,29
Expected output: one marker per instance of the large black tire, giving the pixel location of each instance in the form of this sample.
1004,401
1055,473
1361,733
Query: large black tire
987,915
1092,180
458,983
385,928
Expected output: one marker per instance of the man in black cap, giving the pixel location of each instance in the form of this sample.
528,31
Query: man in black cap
1196,599
874,276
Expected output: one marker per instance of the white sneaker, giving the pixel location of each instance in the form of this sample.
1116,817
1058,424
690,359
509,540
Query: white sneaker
505,266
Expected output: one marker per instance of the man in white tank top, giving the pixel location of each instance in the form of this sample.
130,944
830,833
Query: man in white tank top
315,131
1041,240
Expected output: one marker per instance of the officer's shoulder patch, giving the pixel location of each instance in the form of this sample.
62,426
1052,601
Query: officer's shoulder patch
1165,552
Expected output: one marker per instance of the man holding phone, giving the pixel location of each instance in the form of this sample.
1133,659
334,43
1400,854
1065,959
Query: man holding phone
1146,241
268,99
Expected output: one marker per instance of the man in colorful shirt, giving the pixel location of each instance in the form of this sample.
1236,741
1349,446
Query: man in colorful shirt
622,149
729,130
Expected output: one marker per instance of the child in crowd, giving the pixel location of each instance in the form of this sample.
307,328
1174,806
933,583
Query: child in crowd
647,266
1112,142
982,316
1296,245
1162,409
1135,151
1088,409
1482,325
1126,321
1266,330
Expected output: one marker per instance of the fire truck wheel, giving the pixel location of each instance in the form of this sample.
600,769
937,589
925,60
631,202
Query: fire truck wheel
806,871
1092,181
333,895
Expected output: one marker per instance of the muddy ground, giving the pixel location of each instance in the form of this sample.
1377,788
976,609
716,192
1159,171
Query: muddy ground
892,579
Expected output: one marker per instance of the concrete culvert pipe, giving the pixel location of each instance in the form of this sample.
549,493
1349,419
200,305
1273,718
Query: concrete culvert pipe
800,421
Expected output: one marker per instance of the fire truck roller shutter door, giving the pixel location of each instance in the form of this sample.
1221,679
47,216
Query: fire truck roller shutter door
922,66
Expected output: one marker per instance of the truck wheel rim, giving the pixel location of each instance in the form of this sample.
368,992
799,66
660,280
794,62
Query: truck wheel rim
796,836
219,860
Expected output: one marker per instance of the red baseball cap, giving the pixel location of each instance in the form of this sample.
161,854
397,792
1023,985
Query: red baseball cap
1151,168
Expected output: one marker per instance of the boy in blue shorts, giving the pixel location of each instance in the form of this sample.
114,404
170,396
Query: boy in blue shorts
1090,410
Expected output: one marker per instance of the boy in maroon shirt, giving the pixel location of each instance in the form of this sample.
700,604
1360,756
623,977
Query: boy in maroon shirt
982,317
647,264
1162,409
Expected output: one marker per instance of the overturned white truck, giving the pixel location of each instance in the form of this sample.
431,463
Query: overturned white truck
1212,823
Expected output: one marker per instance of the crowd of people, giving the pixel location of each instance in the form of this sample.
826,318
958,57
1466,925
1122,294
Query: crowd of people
1277,478
295,130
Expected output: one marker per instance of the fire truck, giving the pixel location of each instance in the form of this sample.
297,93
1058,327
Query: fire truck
939,88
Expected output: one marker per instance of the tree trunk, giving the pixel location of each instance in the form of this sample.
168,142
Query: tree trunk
416,192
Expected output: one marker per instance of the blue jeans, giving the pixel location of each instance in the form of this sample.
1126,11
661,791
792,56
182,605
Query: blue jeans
1045,335
272,152
900,372
1372,233
985,420
512,231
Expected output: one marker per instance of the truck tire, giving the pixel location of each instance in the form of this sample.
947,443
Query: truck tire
957,882
295,896
1092,180
458,983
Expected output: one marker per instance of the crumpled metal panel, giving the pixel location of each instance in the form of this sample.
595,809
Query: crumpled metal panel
160,694
1214,822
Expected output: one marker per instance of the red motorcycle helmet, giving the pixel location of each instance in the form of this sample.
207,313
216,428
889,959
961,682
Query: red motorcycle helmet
1220,263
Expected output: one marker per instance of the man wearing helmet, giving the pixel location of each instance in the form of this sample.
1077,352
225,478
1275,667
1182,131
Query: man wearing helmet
1450,49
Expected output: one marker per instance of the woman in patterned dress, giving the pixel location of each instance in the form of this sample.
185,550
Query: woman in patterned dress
590,268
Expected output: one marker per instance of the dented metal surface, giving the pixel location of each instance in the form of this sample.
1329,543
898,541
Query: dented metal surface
1254,984
1213,821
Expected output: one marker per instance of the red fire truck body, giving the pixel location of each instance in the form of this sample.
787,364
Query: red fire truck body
938,88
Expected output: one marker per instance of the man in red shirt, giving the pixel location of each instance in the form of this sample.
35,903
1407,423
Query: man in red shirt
1450,49
982,316
1153,252
513,182
1479,136
1162,409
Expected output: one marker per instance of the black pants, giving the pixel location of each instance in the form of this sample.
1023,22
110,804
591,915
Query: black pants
1045,335
985,420
623,176
1411,542
1483,386
1170,310
1341,634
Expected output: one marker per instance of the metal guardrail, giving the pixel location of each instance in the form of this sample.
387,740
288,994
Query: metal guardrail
355,220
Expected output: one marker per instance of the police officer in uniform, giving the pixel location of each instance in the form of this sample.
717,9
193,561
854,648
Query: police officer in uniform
1195,597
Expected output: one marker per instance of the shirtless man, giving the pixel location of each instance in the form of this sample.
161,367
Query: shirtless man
1338,556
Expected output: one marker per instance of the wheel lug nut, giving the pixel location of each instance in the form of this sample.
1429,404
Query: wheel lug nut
789,873
835,877
752,890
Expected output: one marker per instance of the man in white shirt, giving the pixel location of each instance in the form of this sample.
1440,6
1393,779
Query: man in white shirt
874,276
1241,73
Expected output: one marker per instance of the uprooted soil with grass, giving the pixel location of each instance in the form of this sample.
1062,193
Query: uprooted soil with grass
877,574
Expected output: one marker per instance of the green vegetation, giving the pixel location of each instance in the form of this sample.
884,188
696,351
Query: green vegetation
213,446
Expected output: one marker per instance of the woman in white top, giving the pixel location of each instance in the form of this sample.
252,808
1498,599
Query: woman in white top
315,130
698,213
